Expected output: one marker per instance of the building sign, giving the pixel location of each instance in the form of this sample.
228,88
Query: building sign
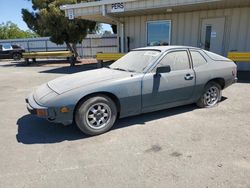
71,14
213,34
117,7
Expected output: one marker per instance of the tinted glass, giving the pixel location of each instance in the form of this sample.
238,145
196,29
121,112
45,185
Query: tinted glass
14,46
177,60
6,47
136,61
158,33
197,58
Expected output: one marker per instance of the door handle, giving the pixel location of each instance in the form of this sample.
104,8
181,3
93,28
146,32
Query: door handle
189,77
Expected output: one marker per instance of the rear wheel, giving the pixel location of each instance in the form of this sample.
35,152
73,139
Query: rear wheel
16,56
211,95
96,115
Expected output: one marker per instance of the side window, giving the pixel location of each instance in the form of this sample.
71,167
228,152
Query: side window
197,58
177,60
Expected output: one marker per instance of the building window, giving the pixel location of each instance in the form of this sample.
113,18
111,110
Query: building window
158,33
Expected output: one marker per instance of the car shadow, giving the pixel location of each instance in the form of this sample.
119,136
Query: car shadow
144,118
38,63
54,69
71,70
34,130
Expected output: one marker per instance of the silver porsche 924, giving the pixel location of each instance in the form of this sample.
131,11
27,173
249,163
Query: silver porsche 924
145,80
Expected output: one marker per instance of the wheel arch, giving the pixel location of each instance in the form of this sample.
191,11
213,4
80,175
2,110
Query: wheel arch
220,81
108,94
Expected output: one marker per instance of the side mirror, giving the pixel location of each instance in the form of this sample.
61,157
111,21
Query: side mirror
163,69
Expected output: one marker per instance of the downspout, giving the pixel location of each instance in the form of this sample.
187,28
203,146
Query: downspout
121,24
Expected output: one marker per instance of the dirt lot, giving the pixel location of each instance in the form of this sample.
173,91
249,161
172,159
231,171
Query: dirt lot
180,147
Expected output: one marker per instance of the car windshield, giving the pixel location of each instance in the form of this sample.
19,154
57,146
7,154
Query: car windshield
6,47
135,61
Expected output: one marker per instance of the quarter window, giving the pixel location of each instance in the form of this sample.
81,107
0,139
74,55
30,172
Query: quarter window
177,60
197,58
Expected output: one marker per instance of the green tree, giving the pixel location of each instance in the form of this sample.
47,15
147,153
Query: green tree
47,19
10,30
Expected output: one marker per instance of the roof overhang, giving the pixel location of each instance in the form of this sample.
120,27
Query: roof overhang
102,11
93,4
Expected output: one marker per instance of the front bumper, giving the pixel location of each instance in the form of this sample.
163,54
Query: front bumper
34,108
51,114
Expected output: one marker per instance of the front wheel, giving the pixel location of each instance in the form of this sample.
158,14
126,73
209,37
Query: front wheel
96,115
16,56
211,95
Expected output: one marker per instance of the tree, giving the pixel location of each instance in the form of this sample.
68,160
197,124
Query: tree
47,19
10,30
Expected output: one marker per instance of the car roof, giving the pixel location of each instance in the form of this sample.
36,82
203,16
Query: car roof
165,48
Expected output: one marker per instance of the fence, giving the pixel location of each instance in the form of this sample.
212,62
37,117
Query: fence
92,44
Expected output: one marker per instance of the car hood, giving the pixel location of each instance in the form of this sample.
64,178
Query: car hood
73,81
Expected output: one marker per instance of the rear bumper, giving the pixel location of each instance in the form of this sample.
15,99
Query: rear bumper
230,81
235,80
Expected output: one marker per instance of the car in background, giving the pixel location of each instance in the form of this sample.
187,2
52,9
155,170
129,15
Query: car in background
144,80
11,51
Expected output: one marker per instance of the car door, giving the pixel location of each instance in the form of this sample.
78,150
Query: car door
165,89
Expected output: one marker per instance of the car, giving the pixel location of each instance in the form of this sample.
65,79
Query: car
11,51
144,80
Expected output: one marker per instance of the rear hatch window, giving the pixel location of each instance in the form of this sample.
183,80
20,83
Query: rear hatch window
215,57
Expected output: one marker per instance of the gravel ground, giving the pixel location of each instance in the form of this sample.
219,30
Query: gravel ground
179,147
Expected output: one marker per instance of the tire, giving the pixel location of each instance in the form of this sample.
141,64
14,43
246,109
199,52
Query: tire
16,56
96,115
211,95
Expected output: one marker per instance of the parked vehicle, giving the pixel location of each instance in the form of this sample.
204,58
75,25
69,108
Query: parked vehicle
145,80
8,51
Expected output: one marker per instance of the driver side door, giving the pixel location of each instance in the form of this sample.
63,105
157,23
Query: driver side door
165,90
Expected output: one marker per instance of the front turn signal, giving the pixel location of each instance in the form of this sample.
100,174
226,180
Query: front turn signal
41,112
64,109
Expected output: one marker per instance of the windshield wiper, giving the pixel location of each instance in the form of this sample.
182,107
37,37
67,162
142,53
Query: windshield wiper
126,70
129,70
119,69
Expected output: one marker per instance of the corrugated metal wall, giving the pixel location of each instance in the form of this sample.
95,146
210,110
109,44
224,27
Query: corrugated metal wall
186,28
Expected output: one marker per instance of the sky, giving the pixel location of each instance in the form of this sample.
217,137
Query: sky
10,10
